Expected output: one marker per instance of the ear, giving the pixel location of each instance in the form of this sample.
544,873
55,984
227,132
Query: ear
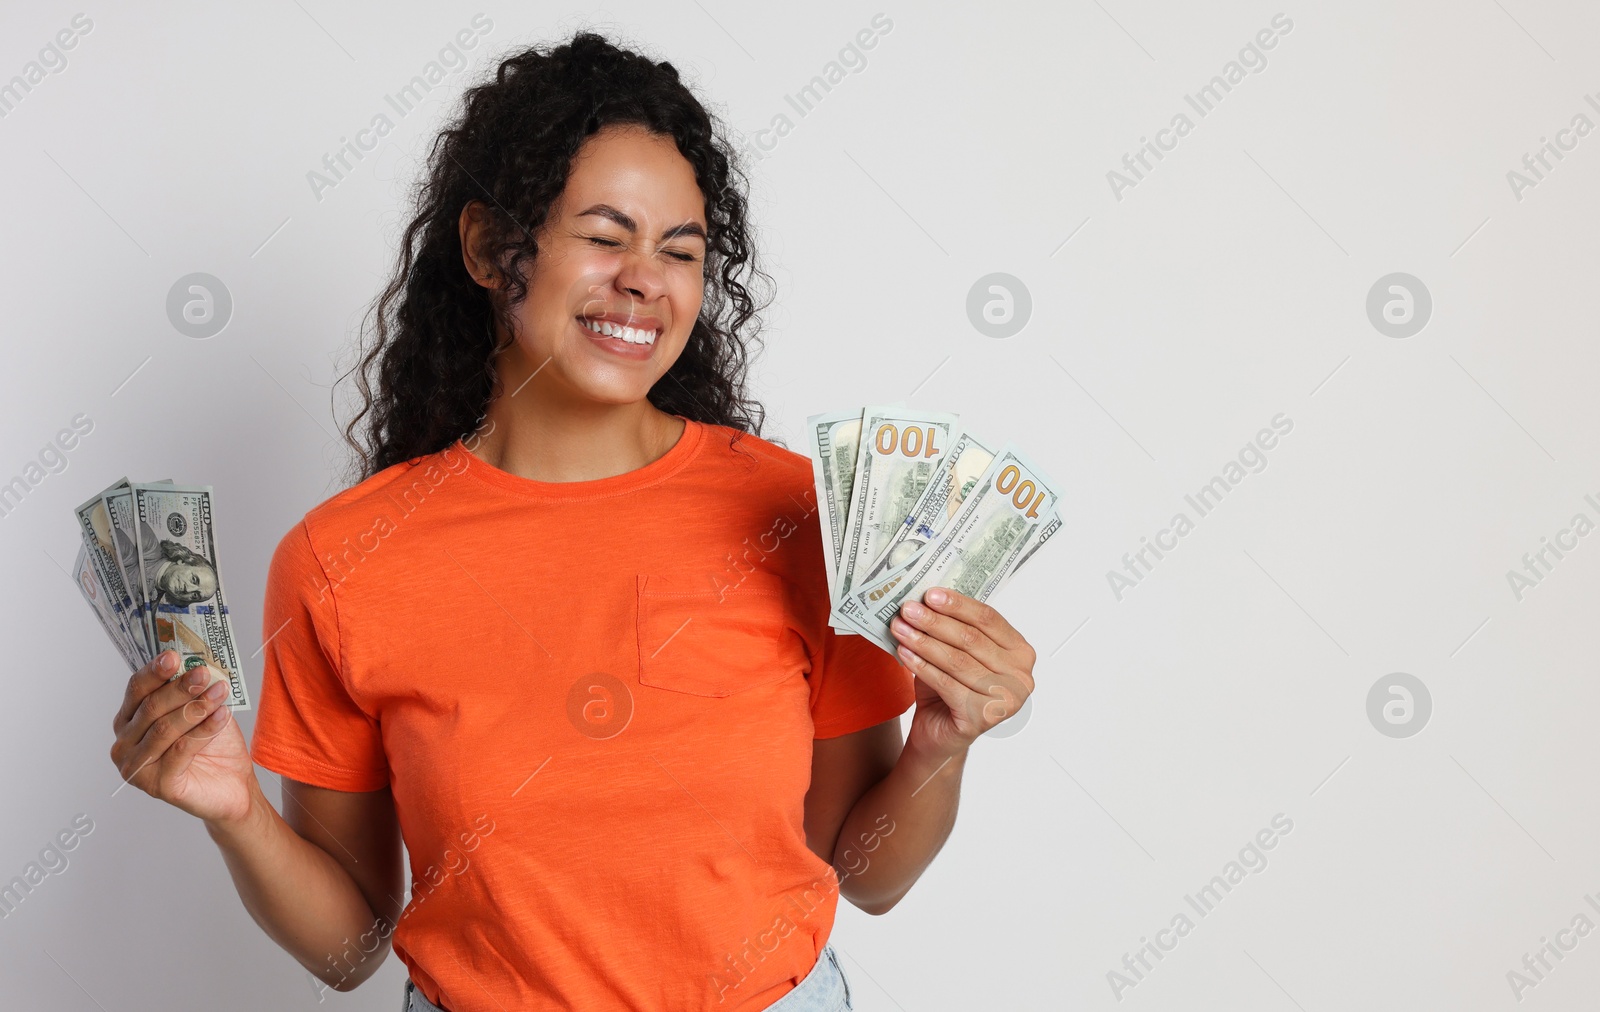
473,227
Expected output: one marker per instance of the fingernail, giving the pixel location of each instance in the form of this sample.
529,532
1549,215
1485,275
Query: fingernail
216,690
168,661
912,609
937,596
196,677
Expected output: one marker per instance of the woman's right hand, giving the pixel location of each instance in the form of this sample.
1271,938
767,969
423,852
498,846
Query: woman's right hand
177,743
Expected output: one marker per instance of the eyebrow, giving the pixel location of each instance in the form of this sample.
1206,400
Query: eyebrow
691,228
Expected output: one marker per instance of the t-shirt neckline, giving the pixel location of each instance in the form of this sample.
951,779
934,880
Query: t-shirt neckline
658,470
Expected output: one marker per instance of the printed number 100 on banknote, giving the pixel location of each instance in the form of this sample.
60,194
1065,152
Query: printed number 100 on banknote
978,548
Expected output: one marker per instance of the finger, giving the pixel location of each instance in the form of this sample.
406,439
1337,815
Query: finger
164,732
956,694
176,759
954,661
955,633
974,613
163,700
984,707
141,683
169,726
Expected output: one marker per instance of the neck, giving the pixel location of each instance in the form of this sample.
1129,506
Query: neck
540,430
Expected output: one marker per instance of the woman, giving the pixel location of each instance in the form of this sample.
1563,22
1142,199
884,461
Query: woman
568,637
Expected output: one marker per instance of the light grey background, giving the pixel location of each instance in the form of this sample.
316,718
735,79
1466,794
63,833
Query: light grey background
1227,286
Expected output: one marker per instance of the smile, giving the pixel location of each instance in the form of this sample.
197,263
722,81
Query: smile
607,329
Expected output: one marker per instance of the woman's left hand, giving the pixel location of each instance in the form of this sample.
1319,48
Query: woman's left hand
973,668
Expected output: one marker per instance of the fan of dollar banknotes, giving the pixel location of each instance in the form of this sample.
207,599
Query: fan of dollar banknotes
910,500
148,568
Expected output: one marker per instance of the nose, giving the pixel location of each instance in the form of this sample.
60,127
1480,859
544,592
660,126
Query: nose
640,276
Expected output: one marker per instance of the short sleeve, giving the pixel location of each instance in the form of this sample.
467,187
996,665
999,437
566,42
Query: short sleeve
307,726
856,686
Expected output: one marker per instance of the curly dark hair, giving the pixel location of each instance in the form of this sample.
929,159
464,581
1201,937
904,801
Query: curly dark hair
429,375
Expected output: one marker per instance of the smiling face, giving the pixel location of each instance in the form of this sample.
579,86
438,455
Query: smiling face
618,280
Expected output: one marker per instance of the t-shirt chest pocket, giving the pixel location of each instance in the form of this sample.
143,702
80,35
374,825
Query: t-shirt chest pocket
716,641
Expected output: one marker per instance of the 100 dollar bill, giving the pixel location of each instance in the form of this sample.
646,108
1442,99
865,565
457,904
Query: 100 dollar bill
117,503
957,473
835,437
112,595
900,448
998,525
1042,534
180,582
89,585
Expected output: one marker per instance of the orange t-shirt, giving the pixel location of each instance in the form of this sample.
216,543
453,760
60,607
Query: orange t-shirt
594,702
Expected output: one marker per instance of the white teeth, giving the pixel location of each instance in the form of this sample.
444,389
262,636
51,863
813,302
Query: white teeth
627,334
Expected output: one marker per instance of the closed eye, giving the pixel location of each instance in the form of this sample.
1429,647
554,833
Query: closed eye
613,244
